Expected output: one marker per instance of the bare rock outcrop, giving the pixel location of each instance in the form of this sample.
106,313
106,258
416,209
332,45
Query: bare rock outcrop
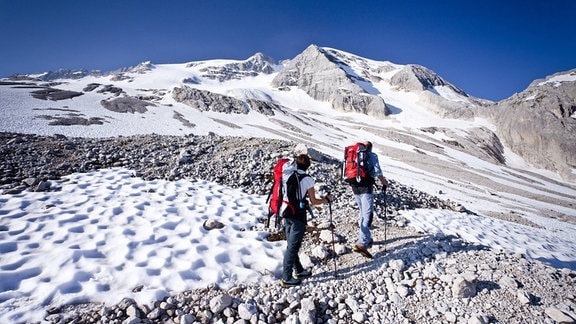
54,94
264,107
417,78
324,78
126,105
209,101
479,142
254,65
539,123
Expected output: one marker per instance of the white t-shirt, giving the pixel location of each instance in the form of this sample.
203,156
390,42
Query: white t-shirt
305,184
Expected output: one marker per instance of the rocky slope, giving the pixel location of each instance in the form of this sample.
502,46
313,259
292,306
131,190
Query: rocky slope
539,123
414,278
325,78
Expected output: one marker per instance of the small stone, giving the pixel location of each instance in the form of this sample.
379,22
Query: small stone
523,297
464,287
212,224
187,319
403,291
478,319
247,310
219,303
508,282
450,317
320,252
397,265
359,317
326,236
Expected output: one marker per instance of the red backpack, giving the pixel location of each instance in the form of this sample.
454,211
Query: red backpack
275,195
285,178
355,169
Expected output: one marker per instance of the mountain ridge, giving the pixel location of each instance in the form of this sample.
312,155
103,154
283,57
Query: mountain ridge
412,114
434,143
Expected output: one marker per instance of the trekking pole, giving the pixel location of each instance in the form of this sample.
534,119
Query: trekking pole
333,245
267,201
385,216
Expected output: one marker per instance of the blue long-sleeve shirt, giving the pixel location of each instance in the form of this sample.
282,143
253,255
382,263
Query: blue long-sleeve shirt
374,165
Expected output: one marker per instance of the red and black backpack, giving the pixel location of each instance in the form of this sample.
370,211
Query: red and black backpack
355,169
286,180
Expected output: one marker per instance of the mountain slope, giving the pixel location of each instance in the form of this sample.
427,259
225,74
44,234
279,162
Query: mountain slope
540,123
324,98
435,142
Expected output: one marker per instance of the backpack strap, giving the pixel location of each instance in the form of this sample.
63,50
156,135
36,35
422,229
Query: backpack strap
300,199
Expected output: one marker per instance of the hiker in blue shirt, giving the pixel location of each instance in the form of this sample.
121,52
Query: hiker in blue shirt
364,194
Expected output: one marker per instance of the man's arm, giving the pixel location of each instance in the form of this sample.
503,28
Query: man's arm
318,201
383,182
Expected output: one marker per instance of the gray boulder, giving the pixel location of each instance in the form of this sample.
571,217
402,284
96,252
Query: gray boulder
253,66
208,101
464,286
126,105
264,107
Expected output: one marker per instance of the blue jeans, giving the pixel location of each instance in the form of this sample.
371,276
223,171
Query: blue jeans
365,203
295,230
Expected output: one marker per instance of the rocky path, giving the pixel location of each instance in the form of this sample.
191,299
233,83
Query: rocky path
413,278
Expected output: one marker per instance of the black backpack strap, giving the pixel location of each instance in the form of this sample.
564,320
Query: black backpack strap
301,176
298,200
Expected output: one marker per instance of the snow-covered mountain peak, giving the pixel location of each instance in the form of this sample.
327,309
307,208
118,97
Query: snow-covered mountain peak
141,68
557,79
72,74
430,135
373,76
319,80
227,70
419,78
361,65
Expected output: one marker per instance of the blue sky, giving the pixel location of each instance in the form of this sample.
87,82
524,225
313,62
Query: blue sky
490,49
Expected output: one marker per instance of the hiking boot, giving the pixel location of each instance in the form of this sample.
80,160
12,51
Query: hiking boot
303,274
362,250
290,283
